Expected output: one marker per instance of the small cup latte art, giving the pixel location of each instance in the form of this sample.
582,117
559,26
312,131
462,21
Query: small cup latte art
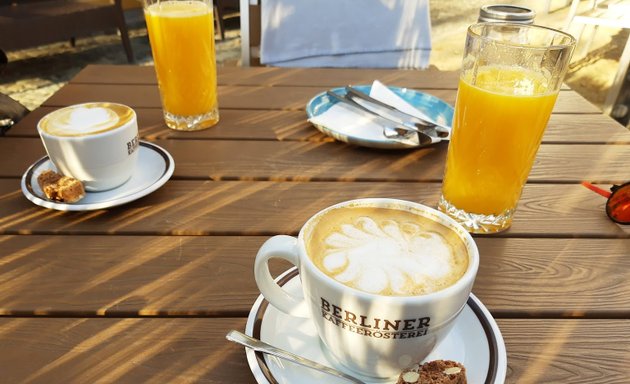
86,119
96,143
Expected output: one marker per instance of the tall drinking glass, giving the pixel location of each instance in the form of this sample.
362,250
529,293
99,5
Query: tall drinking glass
182,41
510,79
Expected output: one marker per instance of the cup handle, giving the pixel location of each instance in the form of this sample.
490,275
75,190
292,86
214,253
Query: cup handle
281,247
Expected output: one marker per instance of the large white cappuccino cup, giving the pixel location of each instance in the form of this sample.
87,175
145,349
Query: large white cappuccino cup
366,293
96,143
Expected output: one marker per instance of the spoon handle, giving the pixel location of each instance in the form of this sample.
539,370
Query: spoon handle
260,346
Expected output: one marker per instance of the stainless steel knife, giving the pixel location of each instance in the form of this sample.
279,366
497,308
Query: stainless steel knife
391,129
392,113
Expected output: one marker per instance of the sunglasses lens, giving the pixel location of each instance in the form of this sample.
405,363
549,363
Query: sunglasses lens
618,206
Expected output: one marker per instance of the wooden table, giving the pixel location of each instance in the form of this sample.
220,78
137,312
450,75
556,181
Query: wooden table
147,291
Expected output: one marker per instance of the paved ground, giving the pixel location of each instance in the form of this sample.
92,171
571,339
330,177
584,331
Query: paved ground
33,75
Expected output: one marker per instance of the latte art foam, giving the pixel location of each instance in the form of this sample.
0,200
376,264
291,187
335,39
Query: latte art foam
388,252
86,119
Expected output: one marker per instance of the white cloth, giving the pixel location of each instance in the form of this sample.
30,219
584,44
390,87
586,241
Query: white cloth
345,33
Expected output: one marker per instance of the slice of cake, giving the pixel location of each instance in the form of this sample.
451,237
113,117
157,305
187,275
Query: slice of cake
60,188
434,372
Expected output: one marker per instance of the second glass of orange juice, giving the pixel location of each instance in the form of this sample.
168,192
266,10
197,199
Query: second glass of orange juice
508,86
182,41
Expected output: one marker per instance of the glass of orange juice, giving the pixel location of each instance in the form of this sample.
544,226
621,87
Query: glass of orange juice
182,41
510,79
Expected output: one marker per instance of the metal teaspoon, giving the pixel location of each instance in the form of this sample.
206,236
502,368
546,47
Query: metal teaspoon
260,346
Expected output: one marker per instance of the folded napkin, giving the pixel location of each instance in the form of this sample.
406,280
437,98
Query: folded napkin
346,33
346,121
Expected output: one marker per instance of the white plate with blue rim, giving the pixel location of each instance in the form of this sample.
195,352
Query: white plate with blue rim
433,107
153,168
475,341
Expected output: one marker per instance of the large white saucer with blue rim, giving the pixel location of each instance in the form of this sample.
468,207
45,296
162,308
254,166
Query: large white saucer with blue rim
431,106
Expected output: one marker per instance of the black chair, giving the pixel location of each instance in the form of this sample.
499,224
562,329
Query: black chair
11,112
225,9
27,23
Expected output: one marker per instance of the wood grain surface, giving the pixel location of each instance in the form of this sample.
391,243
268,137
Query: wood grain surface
334,161
268,208
254,97
121,351
293,126
212,276
270,76
195,350
567,351
146,292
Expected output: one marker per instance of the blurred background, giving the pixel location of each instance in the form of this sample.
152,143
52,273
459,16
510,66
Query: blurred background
32,75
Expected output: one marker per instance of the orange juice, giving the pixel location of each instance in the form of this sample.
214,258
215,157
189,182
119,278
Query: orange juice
182,42
497,128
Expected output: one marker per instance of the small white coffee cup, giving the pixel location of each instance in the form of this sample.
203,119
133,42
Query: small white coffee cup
96,143
373,334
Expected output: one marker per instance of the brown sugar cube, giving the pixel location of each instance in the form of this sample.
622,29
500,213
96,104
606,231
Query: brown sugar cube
47,177
434,372
50,190
60,188
70,189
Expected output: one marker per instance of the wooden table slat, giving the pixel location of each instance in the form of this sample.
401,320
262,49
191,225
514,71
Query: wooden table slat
213,276
254,97
335,161
567,351
195,350
121,351
292,126
267,208
270,76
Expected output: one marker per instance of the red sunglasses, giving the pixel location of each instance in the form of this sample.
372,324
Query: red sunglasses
618,204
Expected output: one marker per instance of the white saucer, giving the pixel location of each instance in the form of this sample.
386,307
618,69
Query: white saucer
475,341
155,166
